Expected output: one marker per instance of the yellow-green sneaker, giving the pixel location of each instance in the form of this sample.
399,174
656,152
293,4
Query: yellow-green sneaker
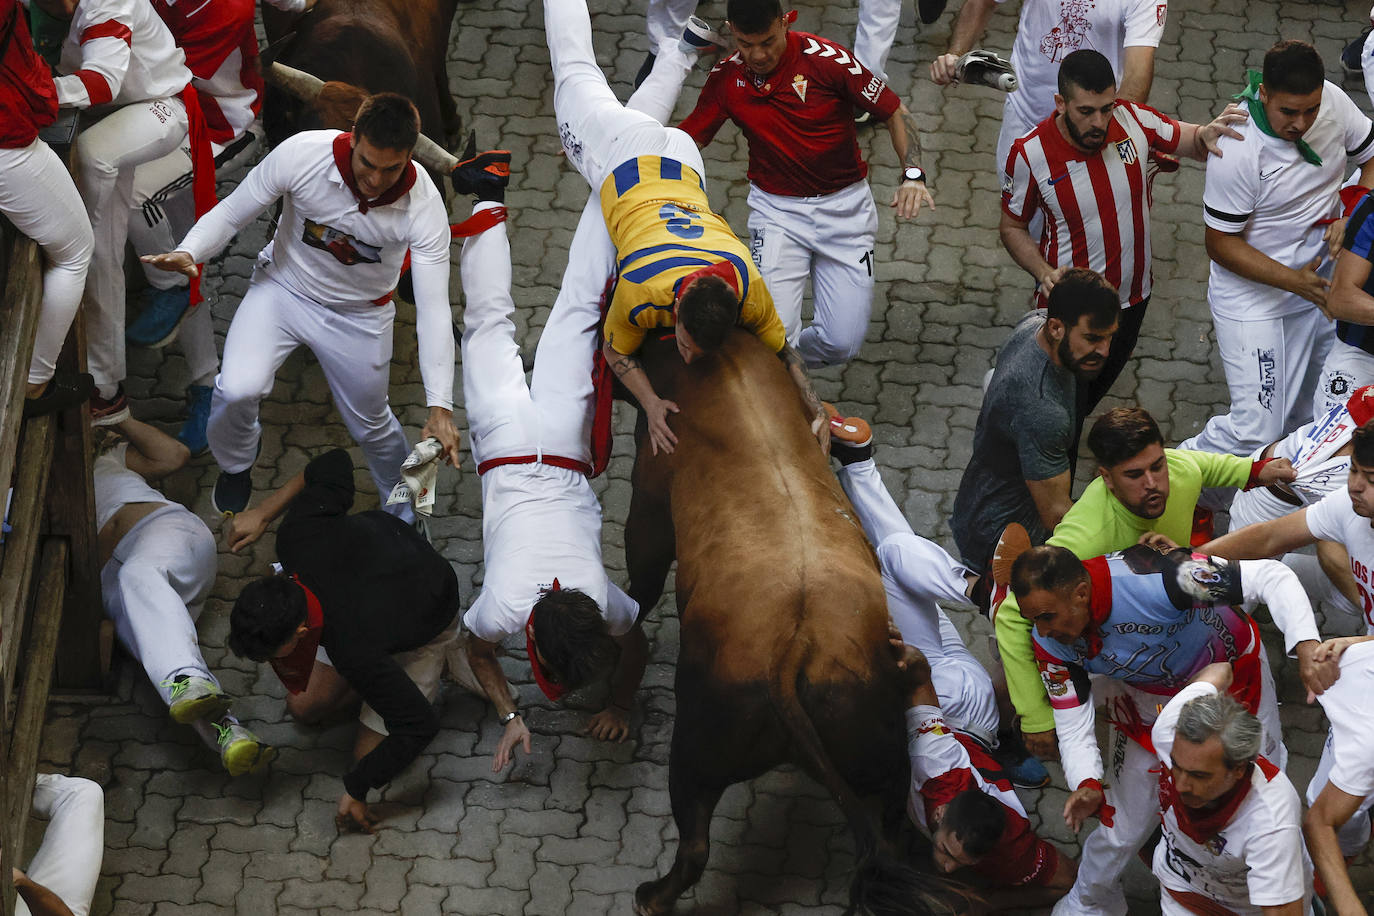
194,698
241,751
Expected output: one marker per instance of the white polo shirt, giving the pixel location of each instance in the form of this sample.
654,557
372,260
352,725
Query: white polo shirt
1262,188
1050,30
1257,859
1334,519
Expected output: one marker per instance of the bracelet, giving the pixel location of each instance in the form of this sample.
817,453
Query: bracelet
510,717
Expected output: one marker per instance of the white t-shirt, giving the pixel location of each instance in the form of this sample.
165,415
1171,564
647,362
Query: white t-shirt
1334,519
1050,30
1262,188
1346,704
540,523
1257,859
116,486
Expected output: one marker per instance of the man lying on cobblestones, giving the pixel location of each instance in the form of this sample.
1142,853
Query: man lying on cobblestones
680,264
1142,488
364,609
159,564
541,522
1147,622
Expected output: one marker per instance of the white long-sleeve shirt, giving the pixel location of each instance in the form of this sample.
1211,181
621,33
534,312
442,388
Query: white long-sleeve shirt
118,52
328,250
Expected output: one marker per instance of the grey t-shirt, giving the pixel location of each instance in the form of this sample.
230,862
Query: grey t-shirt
1024,431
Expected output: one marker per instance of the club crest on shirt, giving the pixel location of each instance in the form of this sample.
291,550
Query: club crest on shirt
933,726
1215,844
799,84
1126,150
1056,678
345,248
1161,13
1006,184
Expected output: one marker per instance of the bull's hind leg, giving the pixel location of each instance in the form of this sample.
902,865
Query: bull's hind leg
693,805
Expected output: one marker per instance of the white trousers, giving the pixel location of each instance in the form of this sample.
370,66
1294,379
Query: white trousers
106,156
666,20
597,131
1353,835
153,585
1134,792
828,239
1272,367
68,861
1344,369
38,196
875,33
917,574
164,211
351,340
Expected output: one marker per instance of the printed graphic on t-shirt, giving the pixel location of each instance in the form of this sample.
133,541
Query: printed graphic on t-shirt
1068,35
345,248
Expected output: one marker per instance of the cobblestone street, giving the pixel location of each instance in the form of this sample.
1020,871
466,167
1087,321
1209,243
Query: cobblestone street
574,827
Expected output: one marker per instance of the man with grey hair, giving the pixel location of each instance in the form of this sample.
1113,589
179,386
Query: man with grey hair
1232,836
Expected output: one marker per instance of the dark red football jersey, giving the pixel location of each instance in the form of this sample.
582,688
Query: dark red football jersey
799,120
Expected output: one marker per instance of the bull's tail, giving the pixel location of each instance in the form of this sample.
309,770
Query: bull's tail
883,885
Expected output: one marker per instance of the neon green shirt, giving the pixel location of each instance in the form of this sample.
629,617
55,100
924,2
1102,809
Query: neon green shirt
1098,524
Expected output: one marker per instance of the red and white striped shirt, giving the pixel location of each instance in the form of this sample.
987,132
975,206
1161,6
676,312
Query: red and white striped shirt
118,52
1096,205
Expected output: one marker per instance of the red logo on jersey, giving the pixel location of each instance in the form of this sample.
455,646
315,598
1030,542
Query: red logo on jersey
1161,10
345,248
799,86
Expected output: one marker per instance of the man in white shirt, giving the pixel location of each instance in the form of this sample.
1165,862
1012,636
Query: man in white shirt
1126,32
1231,817
1342,516
1342,790
354,206
1274,225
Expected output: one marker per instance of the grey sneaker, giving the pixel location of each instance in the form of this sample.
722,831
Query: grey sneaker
241,751
700,38
195,698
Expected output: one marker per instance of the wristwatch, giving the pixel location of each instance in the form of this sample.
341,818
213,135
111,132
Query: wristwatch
509,717
913,173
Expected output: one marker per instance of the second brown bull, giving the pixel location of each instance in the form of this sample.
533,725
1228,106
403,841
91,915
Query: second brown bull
784,654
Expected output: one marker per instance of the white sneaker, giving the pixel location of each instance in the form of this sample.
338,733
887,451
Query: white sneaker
700,38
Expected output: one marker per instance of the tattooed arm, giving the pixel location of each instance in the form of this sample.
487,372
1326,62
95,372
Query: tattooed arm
906,143
820,424
631,371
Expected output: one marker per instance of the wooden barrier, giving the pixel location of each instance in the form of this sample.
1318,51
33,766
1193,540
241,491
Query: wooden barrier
51,617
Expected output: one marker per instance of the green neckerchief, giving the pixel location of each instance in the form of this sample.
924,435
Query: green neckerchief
1253,78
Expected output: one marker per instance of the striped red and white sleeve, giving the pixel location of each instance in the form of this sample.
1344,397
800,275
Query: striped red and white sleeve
1163,131
1020,193
106,50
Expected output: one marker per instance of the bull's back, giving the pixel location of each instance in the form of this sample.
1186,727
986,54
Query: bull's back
770,553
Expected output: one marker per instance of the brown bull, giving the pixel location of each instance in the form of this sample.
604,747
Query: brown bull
360,47
784,654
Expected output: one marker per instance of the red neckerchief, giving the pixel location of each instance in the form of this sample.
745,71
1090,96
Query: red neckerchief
551,689
294,669
1099,602
722,269
1201,826
343,160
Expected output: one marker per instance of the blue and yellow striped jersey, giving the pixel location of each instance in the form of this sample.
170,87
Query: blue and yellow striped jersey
664,230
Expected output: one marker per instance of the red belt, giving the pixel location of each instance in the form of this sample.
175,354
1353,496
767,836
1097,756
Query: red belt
551,460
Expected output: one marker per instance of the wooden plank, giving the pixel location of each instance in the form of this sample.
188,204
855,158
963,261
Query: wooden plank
19,317
21,550
31,702
83,660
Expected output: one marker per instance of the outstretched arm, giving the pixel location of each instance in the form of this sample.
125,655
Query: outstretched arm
482,658
250,524
631,371
820,424
613,722
906,143
152,453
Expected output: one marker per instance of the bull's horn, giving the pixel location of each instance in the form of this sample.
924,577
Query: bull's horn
433,156
297,82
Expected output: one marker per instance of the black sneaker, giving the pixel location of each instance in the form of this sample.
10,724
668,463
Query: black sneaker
65,390
232,492
483,175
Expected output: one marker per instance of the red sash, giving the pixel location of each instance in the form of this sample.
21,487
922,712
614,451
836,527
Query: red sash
202,169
